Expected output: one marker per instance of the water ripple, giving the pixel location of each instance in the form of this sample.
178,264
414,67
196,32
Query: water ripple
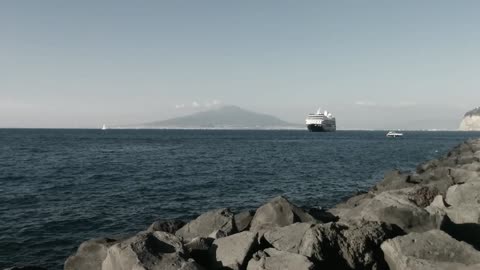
61,187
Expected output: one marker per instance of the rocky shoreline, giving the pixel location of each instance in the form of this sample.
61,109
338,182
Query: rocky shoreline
427,219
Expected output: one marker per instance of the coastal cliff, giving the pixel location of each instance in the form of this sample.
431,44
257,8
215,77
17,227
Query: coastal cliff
471,120
426,219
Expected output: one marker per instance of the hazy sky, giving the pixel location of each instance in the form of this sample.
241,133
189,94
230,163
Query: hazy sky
374,64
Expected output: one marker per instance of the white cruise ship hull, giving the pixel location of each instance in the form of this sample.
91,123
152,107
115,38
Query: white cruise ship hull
321,122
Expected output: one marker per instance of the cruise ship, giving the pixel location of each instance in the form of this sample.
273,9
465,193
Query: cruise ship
318,122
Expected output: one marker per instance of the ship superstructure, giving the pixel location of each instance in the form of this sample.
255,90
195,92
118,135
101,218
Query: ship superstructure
321,121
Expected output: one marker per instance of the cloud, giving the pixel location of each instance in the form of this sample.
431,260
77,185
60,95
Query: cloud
12,104
212,103
406,104
365,103
198,105
402,104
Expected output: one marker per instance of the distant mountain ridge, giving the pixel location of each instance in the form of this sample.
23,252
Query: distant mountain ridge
224,117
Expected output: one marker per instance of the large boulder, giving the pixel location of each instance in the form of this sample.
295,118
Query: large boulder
466,173
149,250
461,220
393,180
342,209
432,250
278,212
464,203
233,252
169,225
272,259
396,207
90,255
288,238
348,246
438,177
207,223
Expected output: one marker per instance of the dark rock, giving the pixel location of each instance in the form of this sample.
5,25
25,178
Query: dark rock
278,212
198,249
207,223
90,255
170,226
348,245
322,215
423,196
465,232
242,220
26,268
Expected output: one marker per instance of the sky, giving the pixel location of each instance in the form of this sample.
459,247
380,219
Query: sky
373,64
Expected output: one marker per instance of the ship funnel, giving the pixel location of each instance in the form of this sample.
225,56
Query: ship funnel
319,111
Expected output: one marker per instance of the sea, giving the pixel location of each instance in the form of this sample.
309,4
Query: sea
60,187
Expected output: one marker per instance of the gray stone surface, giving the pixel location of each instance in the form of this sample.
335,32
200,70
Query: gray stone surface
233,252
429,250
393,180
242,220
149,250
90,255
217,234
278,212
272,259
395,207
207,223
288,238
463,202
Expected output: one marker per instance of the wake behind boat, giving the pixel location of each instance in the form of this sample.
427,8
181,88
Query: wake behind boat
321,122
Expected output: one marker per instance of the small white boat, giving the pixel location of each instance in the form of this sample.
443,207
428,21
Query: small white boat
393,134
104,127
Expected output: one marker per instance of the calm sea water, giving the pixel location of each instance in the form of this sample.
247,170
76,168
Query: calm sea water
61,187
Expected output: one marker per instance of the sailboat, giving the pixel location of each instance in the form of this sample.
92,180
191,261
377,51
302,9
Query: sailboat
104,127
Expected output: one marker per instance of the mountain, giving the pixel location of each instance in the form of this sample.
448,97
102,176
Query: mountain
471,120
224,117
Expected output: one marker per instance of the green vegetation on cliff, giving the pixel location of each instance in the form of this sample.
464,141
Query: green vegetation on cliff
474,112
